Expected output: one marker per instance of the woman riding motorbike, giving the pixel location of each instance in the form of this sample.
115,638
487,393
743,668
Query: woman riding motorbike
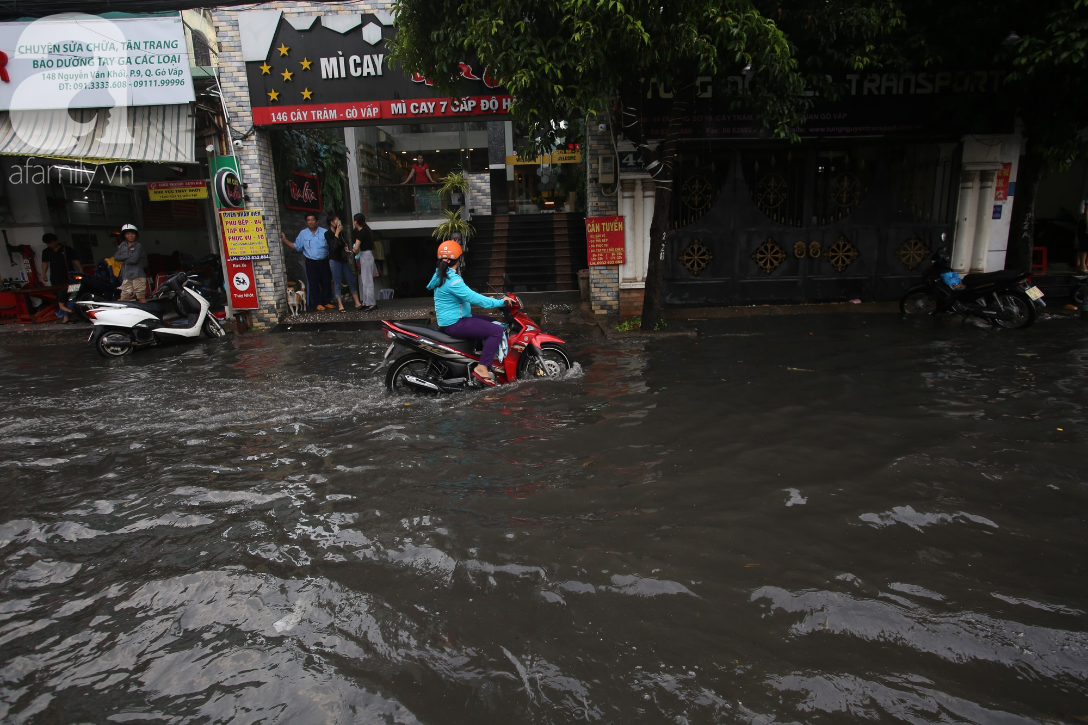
453,300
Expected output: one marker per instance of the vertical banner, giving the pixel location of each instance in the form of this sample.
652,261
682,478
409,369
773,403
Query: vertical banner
604,240
1001,183
242,285
243,234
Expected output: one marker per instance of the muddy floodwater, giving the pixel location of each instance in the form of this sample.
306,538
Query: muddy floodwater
811,519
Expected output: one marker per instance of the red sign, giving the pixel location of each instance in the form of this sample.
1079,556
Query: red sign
1001,184
604,240
303,192
242,285
384,110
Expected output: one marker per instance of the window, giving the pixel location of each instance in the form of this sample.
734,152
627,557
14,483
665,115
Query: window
202,50
924,177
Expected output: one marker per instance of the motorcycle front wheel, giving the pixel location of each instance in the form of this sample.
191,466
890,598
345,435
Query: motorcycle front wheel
1080,295
918,301
113,344
1017,311
555,363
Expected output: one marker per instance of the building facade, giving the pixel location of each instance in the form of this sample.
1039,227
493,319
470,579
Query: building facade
876,183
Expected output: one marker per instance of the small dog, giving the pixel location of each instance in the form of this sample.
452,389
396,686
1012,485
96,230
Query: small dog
296,298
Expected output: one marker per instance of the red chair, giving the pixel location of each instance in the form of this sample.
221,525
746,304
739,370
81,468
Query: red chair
1038,260
9,306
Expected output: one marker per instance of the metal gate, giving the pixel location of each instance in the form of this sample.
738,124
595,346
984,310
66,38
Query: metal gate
807,223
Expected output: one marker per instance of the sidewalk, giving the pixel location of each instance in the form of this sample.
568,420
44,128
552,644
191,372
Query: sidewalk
538,305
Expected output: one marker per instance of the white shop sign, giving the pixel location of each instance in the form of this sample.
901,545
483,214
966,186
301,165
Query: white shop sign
84,61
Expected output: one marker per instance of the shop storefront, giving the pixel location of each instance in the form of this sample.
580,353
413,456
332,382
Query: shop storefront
120,115
306,66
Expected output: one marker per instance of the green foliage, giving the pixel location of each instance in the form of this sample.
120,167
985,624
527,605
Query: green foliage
561,58
635,323
316,151
452,182
453,223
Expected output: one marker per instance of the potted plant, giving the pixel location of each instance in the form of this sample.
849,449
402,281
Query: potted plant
454,227
455,185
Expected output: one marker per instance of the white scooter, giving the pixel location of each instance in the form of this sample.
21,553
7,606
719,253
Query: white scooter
175,313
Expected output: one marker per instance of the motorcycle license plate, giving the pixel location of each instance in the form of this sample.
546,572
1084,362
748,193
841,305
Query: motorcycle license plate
73,288
1034,293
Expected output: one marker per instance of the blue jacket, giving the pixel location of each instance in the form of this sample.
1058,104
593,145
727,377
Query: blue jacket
454,300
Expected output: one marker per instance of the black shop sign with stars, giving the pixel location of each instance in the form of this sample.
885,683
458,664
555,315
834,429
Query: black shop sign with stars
320,75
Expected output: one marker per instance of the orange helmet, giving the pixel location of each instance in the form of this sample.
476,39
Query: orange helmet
449,250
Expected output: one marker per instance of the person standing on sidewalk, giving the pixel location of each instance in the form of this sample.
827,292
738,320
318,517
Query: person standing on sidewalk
340,262
58,262
130,253
364,251
315,250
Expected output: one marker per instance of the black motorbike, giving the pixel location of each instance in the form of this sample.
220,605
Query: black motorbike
1005,298
102,286
1080,294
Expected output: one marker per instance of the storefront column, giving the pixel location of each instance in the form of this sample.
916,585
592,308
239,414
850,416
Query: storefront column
981,245
255,169
966,218
355,195
649,197
627,210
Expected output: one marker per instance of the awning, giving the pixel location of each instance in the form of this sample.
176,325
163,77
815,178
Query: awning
131,133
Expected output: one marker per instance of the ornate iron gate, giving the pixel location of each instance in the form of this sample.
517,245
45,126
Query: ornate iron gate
811,223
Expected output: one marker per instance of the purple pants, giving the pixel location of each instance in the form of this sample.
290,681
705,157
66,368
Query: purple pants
478,327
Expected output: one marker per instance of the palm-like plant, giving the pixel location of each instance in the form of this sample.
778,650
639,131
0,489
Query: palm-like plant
453,226
453,183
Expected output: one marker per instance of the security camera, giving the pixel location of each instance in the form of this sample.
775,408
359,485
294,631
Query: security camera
209,148
237,143
602,126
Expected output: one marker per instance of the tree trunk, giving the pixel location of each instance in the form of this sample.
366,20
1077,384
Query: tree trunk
1022,225
661,166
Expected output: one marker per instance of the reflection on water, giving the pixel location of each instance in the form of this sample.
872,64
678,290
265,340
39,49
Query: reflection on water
811,519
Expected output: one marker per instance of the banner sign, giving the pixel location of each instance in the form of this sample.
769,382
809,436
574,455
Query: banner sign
335,69
84,61
937,102
242,285
243,234
303,192
182,189
1001,183
564,156
604,240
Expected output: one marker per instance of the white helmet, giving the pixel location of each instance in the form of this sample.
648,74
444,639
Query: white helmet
129,228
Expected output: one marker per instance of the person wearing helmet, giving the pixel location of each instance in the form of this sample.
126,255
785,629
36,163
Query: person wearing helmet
453,302
131,255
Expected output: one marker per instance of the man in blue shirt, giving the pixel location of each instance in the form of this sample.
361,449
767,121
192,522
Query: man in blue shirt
315,250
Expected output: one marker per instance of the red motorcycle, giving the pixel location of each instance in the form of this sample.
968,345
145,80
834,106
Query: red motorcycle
438,363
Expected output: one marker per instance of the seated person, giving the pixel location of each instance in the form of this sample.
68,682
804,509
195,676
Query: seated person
453,302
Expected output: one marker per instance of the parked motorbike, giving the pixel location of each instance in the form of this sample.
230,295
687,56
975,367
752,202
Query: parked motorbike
438,363
1080,294
177,312
98,286
1005,298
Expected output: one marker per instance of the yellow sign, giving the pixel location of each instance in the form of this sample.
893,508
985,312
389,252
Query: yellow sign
557,157
183,189
243,234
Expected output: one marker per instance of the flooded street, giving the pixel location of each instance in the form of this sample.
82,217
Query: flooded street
812,518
